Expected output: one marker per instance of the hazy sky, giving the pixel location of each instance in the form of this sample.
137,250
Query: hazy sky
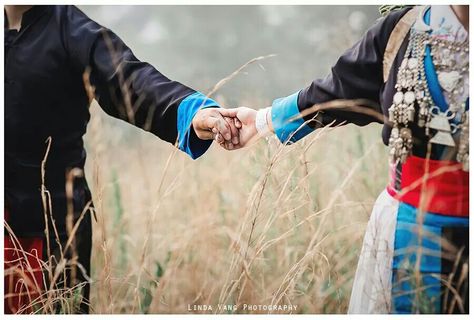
199,45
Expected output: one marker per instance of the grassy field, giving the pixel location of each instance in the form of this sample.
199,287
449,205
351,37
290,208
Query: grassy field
266,225
269,225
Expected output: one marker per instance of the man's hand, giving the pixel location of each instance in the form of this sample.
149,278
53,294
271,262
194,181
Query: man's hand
244,120
210,124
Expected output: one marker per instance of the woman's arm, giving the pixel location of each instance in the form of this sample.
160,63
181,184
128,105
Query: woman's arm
349,94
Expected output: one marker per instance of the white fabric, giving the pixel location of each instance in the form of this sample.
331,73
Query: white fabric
446,25
371,291
261,122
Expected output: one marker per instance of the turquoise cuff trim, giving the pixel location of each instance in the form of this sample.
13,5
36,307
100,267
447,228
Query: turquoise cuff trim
288,128
187,139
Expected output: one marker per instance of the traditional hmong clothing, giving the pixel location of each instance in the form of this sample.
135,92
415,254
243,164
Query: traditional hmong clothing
46,63
414,257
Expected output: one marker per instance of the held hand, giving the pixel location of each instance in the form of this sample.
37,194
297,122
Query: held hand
210,124
244,121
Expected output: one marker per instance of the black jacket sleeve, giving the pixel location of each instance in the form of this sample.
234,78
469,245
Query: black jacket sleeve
125,87
357,74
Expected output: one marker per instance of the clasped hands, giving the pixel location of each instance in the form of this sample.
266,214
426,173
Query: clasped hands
231,128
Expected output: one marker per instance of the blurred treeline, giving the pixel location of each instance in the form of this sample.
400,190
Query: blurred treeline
199,45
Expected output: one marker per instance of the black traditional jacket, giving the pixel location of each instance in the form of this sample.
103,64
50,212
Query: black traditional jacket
46,64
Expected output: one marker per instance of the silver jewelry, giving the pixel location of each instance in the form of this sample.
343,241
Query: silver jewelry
463,149
451,63
402,110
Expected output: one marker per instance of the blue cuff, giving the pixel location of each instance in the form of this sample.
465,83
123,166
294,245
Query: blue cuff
187,139
288,130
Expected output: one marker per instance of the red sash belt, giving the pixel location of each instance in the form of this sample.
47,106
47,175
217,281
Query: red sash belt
444,189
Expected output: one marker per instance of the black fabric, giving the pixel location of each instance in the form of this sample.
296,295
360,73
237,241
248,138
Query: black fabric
358,74
453,258
45,97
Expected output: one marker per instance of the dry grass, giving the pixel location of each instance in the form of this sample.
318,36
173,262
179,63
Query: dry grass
266,225
263,225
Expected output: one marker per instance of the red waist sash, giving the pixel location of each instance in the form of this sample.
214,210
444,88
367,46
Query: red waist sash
434,186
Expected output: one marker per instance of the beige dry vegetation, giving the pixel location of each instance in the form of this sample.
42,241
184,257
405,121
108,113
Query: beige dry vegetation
262,225
265,225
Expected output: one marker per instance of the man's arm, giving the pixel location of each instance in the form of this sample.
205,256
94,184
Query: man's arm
134,91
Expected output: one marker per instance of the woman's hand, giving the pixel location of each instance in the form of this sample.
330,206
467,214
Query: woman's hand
244,120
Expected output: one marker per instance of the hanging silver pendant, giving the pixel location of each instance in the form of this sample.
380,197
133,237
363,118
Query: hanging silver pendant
465,162
423,114
440,123
443,138
400,144
449,80
463,148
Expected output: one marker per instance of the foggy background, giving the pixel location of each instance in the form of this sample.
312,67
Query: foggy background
199,45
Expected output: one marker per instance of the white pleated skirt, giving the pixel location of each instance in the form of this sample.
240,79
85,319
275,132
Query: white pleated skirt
371,291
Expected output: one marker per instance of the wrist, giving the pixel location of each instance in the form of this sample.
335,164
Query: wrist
262,122
269,120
